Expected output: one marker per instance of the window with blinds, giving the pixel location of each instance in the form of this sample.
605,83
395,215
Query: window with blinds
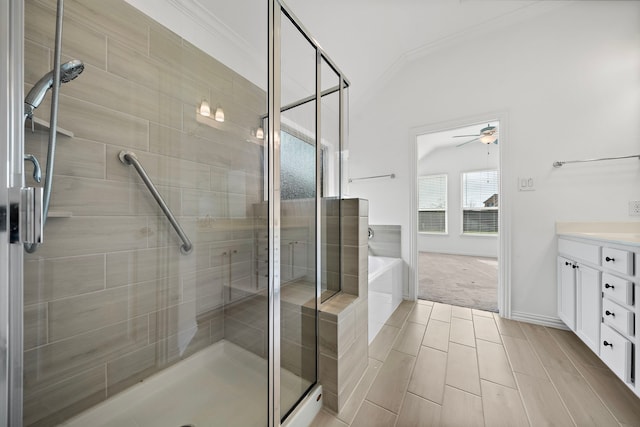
480,202
432,204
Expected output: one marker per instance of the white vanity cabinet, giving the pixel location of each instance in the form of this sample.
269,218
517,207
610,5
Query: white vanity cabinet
579,297
588,302
567,291
597,291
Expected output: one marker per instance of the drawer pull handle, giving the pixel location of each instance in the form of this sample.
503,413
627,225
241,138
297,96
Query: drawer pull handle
575,266
607,286
610,313
567,263
610,259
608,344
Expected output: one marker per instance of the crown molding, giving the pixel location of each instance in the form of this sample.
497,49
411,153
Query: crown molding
202,16
198,25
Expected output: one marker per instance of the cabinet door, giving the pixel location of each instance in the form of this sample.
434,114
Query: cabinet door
588,309
567,292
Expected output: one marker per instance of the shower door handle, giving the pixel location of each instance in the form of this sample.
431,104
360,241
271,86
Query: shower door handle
27,220
32,203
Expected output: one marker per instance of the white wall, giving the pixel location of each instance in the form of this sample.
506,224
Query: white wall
453,161
569,83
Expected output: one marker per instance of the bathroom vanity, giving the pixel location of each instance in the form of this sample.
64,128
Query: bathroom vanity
598,284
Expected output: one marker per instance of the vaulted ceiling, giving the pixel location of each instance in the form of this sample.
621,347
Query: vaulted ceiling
371,39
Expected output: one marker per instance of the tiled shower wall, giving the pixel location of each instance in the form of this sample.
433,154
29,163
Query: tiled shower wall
386,241
109,298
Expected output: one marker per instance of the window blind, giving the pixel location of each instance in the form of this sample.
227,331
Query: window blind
432,204
480,201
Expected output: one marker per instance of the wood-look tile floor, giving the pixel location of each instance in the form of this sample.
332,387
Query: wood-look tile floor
435,364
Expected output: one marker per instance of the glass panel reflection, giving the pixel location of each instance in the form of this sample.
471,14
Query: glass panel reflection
330,210
298,315
110,302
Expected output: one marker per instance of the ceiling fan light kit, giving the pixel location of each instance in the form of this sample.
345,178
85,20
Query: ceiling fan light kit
488,135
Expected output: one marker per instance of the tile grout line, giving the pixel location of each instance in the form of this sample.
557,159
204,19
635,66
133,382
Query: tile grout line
575,365
429,400
376,376
365,394
515,378
564,405
415,361
475,338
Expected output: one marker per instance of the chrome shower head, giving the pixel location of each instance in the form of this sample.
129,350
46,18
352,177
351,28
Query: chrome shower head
68,71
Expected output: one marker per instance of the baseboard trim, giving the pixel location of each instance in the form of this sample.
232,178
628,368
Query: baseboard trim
538,319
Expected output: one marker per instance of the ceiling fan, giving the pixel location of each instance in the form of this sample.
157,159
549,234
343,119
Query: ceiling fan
487,135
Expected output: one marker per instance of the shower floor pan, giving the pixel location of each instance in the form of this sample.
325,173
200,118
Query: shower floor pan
223,385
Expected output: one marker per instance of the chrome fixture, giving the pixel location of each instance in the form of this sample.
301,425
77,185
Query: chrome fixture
61,73
559,164
37,172
390,176
129,158
371,233
68,71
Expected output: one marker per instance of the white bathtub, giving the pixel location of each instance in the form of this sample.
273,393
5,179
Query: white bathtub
386,278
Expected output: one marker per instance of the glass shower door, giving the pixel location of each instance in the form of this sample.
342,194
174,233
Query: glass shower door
122,324
298,216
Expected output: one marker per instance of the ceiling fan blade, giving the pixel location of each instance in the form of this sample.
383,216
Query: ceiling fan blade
464,136
465,143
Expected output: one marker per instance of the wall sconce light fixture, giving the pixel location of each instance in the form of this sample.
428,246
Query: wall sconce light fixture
219,115
205,108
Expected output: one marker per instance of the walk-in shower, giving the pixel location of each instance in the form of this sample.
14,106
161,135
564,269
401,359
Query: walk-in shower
177,285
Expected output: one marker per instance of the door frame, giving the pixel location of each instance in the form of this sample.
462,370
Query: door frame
504,237
11,180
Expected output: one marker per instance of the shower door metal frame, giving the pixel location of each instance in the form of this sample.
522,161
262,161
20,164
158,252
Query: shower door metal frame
273,142
11,181
276,9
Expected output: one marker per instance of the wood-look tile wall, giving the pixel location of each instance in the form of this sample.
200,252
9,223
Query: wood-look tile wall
386,241
343,329
109,298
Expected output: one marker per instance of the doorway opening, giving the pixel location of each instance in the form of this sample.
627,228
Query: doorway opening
458,211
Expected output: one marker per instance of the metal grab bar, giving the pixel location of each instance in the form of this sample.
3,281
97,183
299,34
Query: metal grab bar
391,175
129,158
559,164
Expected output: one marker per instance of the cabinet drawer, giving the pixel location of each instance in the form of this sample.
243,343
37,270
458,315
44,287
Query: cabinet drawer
615,351
579,250
617,288
617,316
618,260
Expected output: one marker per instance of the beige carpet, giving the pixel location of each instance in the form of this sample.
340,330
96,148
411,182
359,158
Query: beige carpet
458,280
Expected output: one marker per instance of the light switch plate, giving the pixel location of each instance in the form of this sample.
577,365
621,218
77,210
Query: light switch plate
526,184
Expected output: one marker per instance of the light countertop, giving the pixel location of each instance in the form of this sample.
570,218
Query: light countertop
626,233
